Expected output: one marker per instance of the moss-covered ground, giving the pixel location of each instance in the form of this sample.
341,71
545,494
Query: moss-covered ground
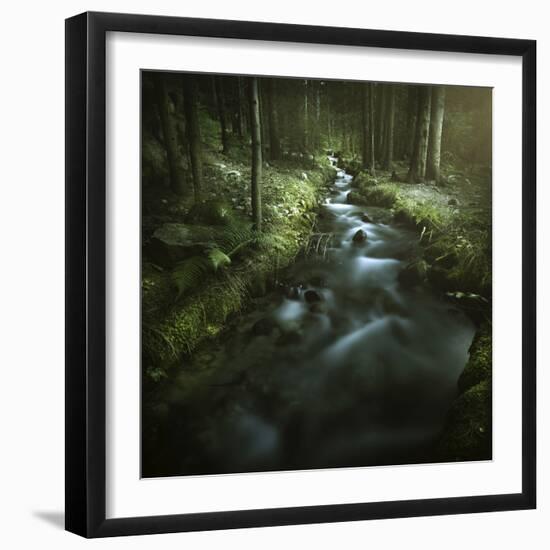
176,321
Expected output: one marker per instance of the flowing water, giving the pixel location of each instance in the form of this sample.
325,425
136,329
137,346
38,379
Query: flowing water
345,368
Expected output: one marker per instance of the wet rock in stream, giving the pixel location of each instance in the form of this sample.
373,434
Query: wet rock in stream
312,296
360,237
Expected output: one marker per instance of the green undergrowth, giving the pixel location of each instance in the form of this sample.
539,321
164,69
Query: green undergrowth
456,238
468,431
191,301
467,434
478,367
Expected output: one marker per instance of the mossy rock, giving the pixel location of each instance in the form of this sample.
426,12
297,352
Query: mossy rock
174,242
355,197
352,167
380,195
363,180
468,430
479,365
376,195
212,212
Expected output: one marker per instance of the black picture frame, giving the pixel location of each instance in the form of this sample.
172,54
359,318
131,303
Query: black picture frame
86,263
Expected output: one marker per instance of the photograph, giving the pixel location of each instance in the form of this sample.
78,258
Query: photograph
316,273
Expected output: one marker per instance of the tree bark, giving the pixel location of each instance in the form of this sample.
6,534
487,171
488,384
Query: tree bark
242,106
436,129
220,105
170,136
412,108
329,122
365,124
274,139
381,113
256,132
318,114
193,134
306,118
388,154
371,129
417,170
237,123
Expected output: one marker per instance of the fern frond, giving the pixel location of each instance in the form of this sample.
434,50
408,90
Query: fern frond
218,258
233,236
190,273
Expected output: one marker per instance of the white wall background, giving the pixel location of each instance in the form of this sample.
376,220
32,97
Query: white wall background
31,277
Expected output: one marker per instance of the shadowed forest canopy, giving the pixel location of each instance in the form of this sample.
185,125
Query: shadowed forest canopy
188,117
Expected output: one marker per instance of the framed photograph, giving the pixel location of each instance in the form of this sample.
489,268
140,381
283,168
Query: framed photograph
300,274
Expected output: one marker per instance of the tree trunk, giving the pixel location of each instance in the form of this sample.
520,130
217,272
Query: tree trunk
436,128
220,105
193,134
264,116
170,136
365,124
242,106
388,154
256,132
412,108
329,124
306,119
236,108
381,113
417,170
318,114
274,140
371,129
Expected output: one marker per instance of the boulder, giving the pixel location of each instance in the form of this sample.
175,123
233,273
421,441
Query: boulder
360,237
174,242
479,365
467,434
453,202
366,218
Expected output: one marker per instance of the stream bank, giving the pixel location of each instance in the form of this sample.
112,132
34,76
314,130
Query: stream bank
352,361
186,299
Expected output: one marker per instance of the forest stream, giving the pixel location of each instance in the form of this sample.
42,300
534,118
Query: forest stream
345,367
